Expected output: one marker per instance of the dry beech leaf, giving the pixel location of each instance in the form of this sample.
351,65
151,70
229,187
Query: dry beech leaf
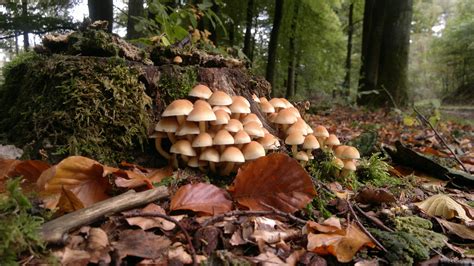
343,247
141,244
443,206
30,170
201,197
97,244
374,196
83,177
140,176
72,256
276,180
146,223
330,225
460,230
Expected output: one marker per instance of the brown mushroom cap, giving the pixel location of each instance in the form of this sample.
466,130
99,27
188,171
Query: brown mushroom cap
223,137
267,107
302,156
220,98
255,98
241,137
202,140
222,118
310,143
183,147
285,117
234,125
177,59
253,150
287,103
201,91
332,140
210,155
269,142
188,128
201,113
295,139
272,117
294,111
339,150
232,154
251,117
277,103
263,99
350,153
224,108
167,124
202,104
178,107
321,131
254,129
238,106
242,99
298,127
350,165
338,163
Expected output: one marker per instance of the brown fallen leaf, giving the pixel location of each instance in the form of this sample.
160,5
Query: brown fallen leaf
69,256
97,245
330,225
374,196
30,170
141,244
177,252
201,198
443,206
276,180
146,223
140,176
343,247
460,230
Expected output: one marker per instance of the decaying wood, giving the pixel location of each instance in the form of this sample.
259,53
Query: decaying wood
55,231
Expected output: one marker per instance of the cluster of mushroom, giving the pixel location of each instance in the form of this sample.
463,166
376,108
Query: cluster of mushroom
214,131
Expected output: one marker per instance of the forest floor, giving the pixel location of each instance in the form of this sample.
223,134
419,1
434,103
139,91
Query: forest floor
391,213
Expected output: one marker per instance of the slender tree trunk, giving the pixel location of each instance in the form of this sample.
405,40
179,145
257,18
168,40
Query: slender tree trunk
17,49
273,44
290,86
231,31
102,10
248,29
213,30
24,14
350,31
297,73
135,10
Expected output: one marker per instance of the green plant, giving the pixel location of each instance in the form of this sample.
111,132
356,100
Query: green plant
19,229
375,171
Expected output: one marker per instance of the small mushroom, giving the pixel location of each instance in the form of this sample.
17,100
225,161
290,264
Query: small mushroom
321,134
239,107
241,138
332,141
349,167
210,155
169,125
277,103
302,157
188,129
231,155
294,140
222,138
310,143
220,98
269,142
158,136
179,108
202,115
202,141
222,118
253,150
182,147
177,60
285,118
200,91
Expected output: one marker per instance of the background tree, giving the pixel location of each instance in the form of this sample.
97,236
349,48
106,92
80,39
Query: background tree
273,44
135,11
102,10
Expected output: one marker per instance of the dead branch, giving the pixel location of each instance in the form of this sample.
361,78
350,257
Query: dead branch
373,220
220,217
171,219
55,231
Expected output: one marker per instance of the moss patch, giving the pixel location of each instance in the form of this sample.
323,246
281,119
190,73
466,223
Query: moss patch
71,105
176,82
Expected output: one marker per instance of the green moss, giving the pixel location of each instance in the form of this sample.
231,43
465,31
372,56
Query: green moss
18,227
374,171
94,42
74,106
176,82
421,229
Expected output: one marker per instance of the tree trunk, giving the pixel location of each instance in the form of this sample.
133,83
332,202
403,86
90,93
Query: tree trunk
273,44
213,30
135,10
385,46
102,10
290,86
350,31
298,63
24,14
231,30
248,30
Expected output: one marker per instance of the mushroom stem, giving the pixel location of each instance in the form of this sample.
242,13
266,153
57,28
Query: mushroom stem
158,147
321,141
202,126
181,119
212,166
171,136
236,116
310,153
202,169
174,160
284,127
294,149
185,158
228,168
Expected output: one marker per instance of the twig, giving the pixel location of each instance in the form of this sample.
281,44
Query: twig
373,220
250,213
171,219
284,214
365,229
426,121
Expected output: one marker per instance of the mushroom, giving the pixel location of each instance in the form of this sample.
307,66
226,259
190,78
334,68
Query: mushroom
158,136
168,125
222,118
294,140
269,142
184,148
179,108
234,126
241,98
202,141
332,141
302,157
339,150
241,138
285,118
201,114
254,129
177,60
310,143
224,108
201,91
321,134
223,137
277,103
349,167
194,162
251,117
239,107
294,111
350,154
299,126
286,102
253,150
210,155
263,99
255,98
220,98
267,107
231,155
188,129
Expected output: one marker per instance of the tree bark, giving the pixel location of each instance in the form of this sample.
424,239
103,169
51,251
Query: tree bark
135,9
385,46
350,31
24,14
102,10
273,44
248,29
290,86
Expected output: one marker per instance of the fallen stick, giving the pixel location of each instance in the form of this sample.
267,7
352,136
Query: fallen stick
55,231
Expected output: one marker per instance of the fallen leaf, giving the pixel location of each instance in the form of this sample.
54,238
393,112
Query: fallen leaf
30,170
146,223
201,197
374,196
141,244
443,206
72,256
276,180
460,230
330,225
268,258
140,176
177,252
344,247
97,245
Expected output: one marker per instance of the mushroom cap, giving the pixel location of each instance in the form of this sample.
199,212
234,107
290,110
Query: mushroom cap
241,137
251,117
223,137
294,139
253,150
195,162
255,98
224,108
167,124
277,103
239,106
234,125
294,111
202,140
201,91
254,129
267,107
241,98
177,59
285,117
220,98
301,156
299,127
201,113
178,107
350,153
269,142
350,165
210,155
339,150
232,154
183,147
188,128
272,117
287,103
321,131
222,118
338,163
332,140
201,104
310,143
263,99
